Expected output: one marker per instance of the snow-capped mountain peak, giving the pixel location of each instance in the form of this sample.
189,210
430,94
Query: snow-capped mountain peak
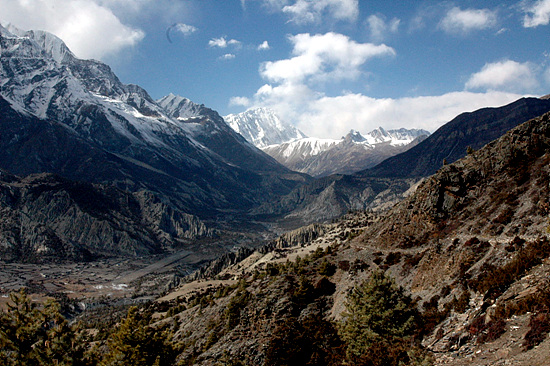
353,152
53,46
396,137
262,127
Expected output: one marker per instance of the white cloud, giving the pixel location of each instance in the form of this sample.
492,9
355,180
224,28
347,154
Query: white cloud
505,75
537,13
228,56
185,29
330,56
333,117
264,46
315,11
89,29
379,28
464,21
240,101
222,42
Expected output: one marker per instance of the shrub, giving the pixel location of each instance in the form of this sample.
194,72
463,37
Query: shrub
326,268
540,325
494,329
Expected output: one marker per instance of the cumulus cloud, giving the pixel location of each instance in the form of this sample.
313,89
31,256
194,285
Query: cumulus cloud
537,13
222,42
264,46
227,56
314,11
89,29
379,28
332,57
505,75
335,116
332,117
459,21
329,56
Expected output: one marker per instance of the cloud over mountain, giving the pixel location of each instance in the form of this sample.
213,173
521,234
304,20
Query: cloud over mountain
90,29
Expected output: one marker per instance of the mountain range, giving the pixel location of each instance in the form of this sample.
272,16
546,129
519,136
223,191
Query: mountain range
320,157
75,118
382,186
352,153
69,123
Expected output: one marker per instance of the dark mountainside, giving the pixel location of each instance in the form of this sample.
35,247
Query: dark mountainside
384,185
48,218
451,141
470,245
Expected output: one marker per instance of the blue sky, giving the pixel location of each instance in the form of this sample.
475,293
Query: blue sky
326,66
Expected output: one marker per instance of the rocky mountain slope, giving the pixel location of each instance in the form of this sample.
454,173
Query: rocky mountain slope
262,127
75,118
333,196
353,153
471,245
49,218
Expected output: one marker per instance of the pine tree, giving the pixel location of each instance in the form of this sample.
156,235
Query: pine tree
379,323
136,343
30,336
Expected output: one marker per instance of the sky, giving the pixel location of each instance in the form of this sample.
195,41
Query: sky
326,66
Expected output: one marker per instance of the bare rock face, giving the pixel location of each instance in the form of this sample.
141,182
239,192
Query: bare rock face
45,217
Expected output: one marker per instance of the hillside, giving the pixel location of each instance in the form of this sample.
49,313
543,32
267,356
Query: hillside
74,118
48,218
471,245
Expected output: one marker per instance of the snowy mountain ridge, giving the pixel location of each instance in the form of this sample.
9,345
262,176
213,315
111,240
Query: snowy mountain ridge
316,156
262,127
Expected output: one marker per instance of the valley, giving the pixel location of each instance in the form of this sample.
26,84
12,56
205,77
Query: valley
241,241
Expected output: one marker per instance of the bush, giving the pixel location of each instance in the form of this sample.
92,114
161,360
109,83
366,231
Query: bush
540,325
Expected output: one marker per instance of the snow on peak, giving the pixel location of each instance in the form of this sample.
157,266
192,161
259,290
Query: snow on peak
262,127
179,107
53,46
395,137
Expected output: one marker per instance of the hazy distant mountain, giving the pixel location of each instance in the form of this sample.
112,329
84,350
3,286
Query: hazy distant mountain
352,153
314,156
262,127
